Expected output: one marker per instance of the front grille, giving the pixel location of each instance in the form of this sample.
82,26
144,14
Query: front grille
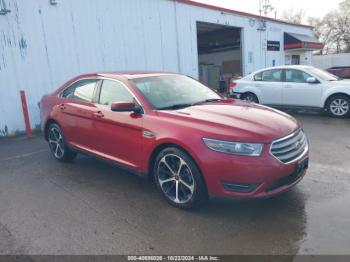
290,147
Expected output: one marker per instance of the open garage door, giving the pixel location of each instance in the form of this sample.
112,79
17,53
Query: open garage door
219,54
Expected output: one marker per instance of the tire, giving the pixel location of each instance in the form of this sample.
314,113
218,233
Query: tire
179,179
338,106
58,145
250,97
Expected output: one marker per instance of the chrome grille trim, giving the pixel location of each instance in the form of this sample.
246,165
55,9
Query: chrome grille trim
290,148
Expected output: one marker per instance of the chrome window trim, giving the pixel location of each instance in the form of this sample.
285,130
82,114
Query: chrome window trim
285,138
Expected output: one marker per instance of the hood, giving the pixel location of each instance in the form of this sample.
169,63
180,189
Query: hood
237,121
343,82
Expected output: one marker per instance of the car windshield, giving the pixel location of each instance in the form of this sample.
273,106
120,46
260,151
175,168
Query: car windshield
324,75
174,91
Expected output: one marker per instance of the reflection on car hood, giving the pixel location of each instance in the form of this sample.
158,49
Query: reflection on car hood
237,120
342,82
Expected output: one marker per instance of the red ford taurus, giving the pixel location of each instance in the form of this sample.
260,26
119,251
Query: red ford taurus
172,128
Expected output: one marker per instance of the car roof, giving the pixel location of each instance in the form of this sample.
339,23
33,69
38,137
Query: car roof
127,74
287,67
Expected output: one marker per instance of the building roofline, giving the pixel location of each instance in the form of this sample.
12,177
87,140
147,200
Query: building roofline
231,11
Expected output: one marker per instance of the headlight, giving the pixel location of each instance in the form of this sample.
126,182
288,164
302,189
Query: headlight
237,148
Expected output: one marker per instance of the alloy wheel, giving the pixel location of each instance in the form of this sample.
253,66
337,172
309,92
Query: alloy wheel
339,107
56,142
175,178
249,98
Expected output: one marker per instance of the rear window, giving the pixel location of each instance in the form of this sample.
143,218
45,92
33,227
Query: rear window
82,90
274,75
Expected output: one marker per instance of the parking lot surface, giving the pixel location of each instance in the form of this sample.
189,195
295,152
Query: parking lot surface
91,207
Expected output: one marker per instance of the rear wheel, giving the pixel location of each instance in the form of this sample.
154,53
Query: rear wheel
338,106
250,97
178,179
57,143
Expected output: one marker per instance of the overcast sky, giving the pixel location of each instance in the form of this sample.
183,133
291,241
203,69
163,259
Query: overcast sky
316,8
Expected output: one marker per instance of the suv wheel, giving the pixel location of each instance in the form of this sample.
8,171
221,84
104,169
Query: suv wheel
250,97
58,146
179,179
338,106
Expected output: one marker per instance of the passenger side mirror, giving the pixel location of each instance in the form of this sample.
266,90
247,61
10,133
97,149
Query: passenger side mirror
312,80
125,107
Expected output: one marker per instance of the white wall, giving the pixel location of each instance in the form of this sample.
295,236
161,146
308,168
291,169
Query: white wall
327,61
42,46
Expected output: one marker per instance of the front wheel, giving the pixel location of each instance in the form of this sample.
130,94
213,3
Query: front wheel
250,97
179,179
338,106
58,146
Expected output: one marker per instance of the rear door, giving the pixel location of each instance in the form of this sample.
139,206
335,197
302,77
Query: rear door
297,92
76,112
269,84
117,135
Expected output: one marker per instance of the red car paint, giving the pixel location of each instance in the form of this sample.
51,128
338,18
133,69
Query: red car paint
340,71
118,136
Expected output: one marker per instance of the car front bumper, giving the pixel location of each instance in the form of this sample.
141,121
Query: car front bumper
251,177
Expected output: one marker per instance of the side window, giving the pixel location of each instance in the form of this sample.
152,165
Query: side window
296,76
82,90
274,75
113,91
258,77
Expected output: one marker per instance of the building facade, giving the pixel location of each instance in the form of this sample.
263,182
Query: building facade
44,43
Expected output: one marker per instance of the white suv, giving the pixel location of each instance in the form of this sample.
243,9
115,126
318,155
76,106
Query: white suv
295,87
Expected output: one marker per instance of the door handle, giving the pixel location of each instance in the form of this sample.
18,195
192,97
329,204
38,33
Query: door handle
99,114
62,106
288,86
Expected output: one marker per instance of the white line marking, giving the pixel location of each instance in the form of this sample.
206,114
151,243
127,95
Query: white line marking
23,155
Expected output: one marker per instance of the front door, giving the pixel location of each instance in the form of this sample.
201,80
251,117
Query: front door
295,59
297,92
118,135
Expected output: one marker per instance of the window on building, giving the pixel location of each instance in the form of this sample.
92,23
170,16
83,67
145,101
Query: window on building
113,91
82,90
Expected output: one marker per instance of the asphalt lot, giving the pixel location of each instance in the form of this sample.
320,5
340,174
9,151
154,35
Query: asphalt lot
91,207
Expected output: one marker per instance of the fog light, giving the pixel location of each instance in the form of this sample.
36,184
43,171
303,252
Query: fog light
239,188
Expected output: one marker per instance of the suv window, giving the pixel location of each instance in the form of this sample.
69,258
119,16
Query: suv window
274,75
113,91
296,76
82,90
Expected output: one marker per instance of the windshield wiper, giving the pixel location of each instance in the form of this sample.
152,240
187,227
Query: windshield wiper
175,106
178,106
208,101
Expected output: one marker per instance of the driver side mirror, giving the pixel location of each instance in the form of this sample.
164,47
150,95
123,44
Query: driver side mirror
125,107
312,80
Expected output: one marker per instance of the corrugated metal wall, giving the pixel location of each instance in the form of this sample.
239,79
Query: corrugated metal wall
331,60
43,45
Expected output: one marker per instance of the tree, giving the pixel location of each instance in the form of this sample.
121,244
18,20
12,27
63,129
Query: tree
334,29
293,16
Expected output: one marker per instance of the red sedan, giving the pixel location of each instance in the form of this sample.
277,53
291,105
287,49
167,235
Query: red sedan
172,128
